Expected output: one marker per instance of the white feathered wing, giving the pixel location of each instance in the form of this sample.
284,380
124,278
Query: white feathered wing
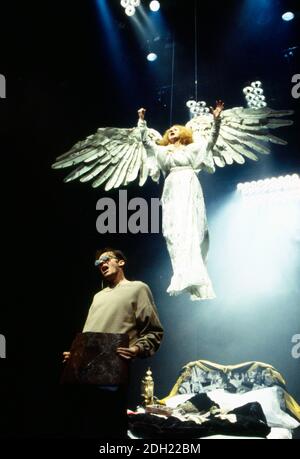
243,133
112,157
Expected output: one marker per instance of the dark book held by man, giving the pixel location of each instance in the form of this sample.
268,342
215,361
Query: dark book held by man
94,360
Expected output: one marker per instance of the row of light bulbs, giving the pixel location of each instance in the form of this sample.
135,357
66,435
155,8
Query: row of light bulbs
131,5
271,185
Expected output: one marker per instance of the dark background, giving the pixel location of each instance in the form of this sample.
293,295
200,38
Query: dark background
66,75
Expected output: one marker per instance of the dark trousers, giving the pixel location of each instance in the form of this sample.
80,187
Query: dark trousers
92,411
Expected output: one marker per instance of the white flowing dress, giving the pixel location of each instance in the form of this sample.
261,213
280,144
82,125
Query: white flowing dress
184,218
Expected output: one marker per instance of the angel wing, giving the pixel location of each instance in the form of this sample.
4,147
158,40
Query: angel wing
111,156
243,132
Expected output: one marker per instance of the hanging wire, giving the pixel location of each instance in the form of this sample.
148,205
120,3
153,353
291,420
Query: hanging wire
172,83
196,50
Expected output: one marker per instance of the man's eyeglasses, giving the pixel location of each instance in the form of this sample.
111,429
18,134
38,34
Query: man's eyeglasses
104,258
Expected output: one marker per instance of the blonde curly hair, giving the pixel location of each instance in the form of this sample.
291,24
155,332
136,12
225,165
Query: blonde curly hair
185,136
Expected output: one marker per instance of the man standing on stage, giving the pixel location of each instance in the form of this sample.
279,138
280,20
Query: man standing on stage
125,307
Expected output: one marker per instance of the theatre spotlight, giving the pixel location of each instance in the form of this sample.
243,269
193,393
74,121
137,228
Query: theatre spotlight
154,5
130,6
151,57
197,108
288,16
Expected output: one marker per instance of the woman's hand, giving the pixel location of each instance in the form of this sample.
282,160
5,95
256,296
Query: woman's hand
66,356
141,113
219,108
